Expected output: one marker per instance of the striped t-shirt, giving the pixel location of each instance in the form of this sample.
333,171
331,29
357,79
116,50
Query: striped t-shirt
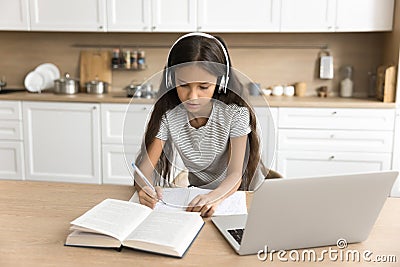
204,151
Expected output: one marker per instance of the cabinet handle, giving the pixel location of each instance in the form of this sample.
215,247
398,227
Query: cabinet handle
334,113
94,108
331,157
100,27
332,136
330,27
199,28
153,28
144,108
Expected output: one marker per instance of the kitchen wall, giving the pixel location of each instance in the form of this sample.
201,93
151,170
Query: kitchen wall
265,58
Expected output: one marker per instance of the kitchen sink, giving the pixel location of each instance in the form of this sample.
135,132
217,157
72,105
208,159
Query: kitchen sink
8,91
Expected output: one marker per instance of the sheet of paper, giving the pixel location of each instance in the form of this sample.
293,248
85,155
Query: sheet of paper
235,204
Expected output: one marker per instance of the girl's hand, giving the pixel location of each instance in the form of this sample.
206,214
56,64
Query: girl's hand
148,197
205,204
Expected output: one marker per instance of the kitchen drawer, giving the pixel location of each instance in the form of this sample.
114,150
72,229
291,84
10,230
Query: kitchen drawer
113,118
314,163
11,160
10,130
10,110
335,140
336,118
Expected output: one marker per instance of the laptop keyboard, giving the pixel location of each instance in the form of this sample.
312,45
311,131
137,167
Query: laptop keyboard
237,234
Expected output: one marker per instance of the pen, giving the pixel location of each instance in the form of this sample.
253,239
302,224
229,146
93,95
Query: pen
145,179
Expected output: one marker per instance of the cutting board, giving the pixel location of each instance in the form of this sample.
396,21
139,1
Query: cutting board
95,63
385,83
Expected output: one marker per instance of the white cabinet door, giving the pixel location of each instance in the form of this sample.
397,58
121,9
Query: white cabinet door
174,15
123,127
308,15
115,168
14,15
11,160
62,141
267,118
128,15
123,123
312,163
71,15
364,15
396,155
238,15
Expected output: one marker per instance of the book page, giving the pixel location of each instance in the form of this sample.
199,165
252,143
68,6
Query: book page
113,217
173,230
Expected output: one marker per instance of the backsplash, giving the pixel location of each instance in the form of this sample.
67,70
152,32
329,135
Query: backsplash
269,59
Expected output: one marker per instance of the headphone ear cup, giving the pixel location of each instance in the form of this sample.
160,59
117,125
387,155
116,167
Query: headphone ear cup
169,82
222,84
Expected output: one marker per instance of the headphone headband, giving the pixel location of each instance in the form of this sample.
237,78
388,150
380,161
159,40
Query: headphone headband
224,79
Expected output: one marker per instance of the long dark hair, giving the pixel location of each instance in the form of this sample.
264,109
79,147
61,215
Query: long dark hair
204,49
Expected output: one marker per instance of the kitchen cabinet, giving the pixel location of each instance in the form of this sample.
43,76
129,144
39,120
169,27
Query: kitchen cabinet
115,123
62,141
72,15
308,15
128,15
238,16
336,15
11,141
267,118
324,141
364,15
396,154
174,15
14,15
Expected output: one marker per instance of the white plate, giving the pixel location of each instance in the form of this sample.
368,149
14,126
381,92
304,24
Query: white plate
48,81
34,81
55,72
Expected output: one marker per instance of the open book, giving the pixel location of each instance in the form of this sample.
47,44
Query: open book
177,199
115,223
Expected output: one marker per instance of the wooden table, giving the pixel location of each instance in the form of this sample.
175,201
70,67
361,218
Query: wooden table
35,216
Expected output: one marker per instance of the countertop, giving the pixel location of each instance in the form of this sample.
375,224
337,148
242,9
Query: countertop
273,101
35,220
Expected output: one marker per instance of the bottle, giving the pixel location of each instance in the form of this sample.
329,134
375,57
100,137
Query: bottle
371,84
134,60
141,60
346,84
115,59
121,59
127,59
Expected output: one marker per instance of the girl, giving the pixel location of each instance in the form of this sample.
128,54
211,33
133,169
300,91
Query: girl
201,114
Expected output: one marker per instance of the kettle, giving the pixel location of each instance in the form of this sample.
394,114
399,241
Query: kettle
325,65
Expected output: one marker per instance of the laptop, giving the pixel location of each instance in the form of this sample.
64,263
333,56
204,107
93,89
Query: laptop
300,213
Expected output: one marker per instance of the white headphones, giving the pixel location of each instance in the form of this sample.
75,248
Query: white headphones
224,79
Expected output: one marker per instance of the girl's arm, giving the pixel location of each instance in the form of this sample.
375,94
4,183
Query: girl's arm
206,204
146,196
